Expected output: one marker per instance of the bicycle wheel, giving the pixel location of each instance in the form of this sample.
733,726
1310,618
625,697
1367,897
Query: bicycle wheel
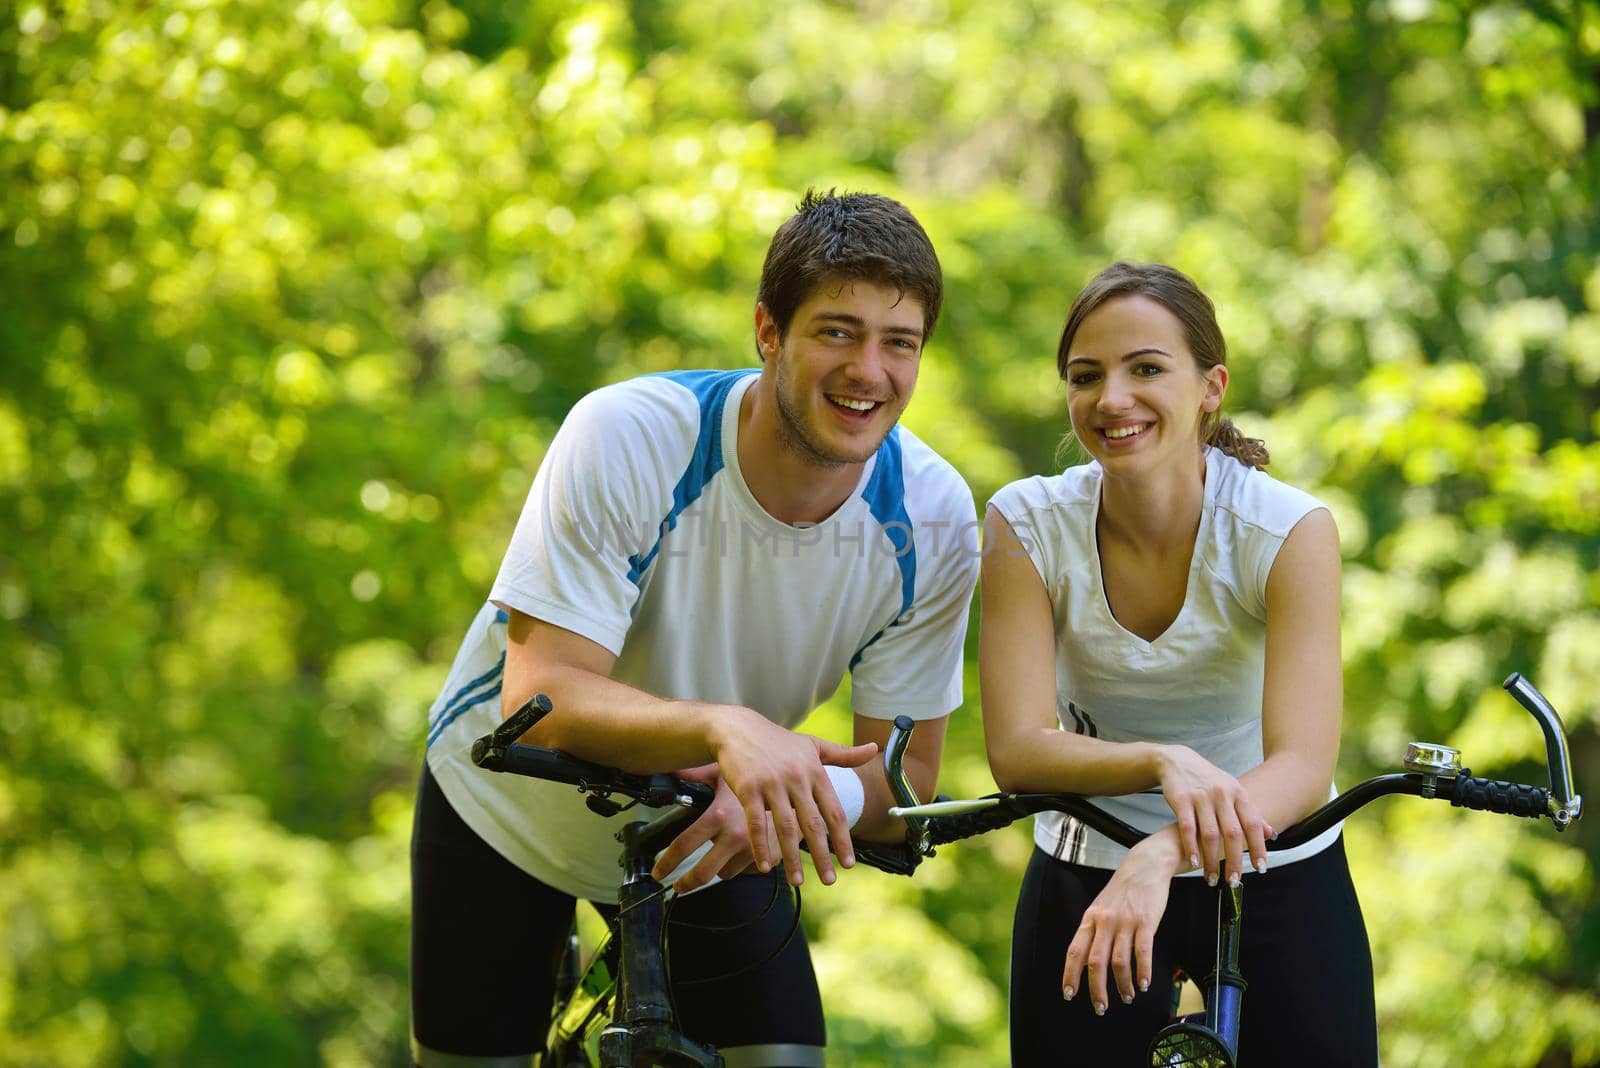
1189,1045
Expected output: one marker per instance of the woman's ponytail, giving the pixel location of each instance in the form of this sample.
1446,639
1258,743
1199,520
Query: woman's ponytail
1252,452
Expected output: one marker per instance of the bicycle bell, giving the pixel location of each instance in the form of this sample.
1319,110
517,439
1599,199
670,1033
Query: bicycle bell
1433,762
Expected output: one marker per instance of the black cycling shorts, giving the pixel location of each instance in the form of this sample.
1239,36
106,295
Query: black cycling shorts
1303,951
486,938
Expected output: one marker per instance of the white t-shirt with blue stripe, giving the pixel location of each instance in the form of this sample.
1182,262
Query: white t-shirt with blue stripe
1199,683
641,534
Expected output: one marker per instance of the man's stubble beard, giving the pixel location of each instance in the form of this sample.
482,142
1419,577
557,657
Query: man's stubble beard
794,435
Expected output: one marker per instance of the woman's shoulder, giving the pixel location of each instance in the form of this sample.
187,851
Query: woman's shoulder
1076,486
1255,499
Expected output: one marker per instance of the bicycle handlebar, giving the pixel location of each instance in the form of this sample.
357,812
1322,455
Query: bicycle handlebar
942,822
500,751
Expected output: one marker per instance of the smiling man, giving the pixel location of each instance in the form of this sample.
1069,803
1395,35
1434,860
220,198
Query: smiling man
702,558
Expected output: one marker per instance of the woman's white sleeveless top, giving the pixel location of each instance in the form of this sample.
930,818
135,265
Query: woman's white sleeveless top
1199,683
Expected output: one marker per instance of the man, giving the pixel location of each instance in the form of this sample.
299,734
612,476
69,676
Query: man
701,559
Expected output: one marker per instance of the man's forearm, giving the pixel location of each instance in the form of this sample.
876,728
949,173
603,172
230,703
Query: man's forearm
598,718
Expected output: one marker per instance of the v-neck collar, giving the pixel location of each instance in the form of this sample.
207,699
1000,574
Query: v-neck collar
1207,506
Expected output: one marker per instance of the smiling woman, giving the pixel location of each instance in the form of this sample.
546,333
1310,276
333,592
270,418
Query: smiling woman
1167,615
1155,311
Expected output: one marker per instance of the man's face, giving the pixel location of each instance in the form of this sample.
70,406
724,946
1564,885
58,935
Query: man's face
845,370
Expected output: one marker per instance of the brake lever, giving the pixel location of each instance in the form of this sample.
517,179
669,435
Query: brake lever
1566,804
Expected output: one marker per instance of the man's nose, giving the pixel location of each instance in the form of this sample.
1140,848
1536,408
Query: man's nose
867,361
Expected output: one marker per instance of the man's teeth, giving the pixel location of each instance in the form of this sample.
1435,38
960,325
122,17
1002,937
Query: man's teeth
1123,431
854,405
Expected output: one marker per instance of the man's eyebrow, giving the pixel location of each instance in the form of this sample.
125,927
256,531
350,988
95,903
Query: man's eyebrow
861,324
1126,356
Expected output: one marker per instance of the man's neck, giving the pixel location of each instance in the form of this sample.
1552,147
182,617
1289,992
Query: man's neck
791,487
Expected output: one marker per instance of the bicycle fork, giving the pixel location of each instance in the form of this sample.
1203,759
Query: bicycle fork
1211,1039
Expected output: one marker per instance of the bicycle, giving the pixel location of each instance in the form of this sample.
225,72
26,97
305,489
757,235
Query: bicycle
1210,1039
626,1018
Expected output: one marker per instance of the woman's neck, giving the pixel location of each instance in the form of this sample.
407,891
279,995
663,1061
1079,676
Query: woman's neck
1155,512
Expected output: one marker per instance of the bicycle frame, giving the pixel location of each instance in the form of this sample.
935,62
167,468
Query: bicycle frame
643,1030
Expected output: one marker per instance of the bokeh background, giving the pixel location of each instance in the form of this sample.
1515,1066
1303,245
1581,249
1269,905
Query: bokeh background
294,294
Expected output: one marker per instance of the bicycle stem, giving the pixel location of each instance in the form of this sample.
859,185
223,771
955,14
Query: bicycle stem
1565,804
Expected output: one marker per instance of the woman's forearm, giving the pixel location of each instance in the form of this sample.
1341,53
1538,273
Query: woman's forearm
1047,759
1287,787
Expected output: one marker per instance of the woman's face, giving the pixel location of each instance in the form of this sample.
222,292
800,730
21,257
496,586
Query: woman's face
1134,391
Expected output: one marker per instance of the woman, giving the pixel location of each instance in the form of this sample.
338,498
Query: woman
1167,615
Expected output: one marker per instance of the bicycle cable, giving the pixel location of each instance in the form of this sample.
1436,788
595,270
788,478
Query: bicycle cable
788,937
757,918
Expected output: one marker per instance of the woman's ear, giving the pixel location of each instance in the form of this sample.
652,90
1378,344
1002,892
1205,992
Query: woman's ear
1216,378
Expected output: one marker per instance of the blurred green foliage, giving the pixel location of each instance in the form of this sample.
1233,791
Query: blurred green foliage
295,295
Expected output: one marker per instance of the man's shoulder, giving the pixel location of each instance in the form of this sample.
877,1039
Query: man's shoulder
673,401
928,476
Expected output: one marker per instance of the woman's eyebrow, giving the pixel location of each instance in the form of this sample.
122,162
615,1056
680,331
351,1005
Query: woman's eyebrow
1125,356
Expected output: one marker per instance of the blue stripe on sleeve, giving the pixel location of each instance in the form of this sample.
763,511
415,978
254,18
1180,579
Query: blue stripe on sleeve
711,389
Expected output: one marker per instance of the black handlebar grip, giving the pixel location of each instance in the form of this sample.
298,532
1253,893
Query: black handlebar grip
945,829
895,859
522,720
1496,795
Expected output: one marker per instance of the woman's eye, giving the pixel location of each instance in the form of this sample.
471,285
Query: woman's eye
1149,370
1082,378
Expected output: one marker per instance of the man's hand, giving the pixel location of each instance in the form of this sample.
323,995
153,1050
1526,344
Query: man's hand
777,775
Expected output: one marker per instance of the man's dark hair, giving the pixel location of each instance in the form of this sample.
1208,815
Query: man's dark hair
850,237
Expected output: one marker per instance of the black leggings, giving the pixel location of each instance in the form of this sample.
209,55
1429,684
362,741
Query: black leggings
486,938
1303,951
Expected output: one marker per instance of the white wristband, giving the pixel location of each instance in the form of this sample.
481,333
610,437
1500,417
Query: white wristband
689,862
852,796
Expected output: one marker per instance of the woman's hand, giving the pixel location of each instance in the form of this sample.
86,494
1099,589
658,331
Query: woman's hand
1217,821
1119,928
719,840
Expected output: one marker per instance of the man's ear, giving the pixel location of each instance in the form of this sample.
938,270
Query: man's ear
768,336
1216,388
